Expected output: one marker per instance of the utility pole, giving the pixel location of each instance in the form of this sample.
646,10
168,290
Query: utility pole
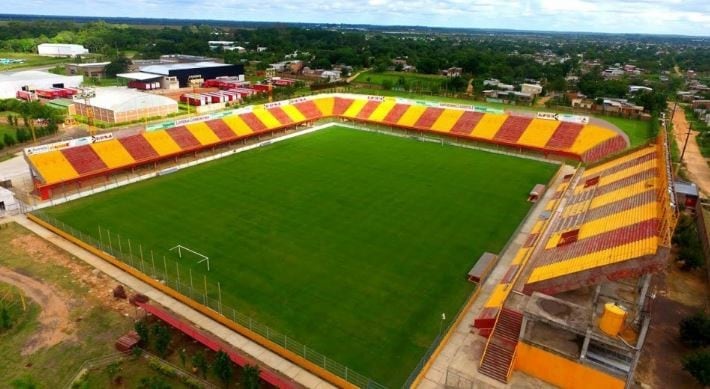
685,144
87,94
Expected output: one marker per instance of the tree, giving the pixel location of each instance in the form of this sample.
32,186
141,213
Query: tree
162,339
24,383
200,363
698,365
5,320
142,331
153,383
183,356
8,140
250,376
117,65
223,367
695,330
112,371
387,84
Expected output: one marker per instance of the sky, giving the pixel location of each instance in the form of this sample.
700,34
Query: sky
684,17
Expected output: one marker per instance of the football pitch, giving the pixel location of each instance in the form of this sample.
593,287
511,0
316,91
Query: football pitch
353,243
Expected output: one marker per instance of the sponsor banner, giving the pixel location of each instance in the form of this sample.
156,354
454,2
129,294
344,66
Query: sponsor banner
274,104
563,117
574,118
201,118
298,100
376,98
68,143
477,108
457,106
160,126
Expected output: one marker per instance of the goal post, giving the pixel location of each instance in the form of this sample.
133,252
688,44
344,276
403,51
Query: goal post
203,258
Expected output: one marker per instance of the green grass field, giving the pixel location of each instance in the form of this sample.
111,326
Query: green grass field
415,80
353,243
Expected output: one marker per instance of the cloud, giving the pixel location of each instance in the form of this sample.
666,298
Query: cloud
691,17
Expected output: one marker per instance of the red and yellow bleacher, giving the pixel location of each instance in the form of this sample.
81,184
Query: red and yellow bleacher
548,137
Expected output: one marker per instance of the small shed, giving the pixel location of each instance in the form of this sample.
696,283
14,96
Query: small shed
127,342
483,267
536,193
686,193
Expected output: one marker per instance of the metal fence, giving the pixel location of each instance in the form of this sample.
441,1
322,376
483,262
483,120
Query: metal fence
202,291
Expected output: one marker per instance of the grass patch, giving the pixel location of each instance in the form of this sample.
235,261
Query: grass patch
30,60
413,80
96,327
353,243
7,129
638,131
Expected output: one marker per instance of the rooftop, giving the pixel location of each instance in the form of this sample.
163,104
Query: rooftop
166,68
125,99
138,76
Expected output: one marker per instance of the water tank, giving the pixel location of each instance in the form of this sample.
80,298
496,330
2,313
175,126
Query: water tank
612,320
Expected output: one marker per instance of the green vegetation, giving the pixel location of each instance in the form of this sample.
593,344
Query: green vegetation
695,330
353,243
698,365
686,238
638,131
28,61
96,328
15,313
402,80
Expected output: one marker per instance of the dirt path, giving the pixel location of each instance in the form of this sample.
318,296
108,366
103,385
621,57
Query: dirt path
55,323
697,166
679,295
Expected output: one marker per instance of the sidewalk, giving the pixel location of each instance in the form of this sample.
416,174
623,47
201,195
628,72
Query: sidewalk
273,361
461,355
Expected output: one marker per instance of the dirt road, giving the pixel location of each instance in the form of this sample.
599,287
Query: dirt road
697,166
55,323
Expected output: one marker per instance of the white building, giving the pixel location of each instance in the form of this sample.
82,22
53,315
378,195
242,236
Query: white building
532,89
61,50
119,105
8,203
10,84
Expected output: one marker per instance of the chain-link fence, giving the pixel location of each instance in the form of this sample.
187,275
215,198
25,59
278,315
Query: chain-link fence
201,290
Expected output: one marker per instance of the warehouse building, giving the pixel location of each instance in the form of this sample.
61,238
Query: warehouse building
30,80
61,50
184,72
120,104
94,69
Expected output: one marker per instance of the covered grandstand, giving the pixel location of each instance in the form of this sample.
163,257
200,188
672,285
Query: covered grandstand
544,137
603,233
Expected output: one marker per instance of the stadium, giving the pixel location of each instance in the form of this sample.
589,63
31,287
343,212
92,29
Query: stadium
385,242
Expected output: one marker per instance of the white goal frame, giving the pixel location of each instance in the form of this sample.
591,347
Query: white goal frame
204,257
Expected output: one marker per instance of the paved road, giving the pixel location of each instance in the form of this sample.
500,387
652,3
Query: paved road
695,163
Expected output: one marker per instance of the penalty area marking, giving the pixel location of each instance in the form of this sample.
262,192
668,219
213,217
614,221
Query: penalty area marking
204,257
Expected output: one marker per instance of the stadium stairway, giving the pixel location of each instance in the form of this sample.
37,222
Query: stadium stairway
498,356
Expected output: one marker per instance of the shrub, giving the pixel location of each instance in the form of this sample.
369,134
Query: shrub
695,330
698,365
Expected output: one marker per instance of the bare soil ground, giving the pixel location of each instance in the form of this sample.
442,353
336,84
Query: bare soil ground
99,285
678,295
55,324
77,317
697,166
